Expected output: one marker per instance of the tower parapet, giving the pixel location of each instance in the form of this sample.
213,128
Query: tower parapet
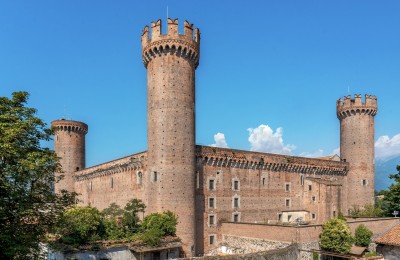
347,106
69,145
185,45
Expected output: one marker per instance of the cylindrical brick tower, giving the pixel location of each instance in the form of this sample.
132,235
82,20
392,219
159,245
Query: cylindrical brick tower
357,148
69,145
171,60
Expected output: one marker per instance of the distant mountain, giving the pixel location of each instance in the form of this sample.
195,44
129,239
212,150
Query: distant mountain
382,171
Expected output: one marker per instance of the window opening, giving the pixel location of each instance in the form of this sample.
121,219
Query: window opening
211,184
211,202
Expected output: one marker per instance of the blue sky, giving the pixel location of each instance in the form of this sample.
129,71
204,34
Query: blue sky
274,67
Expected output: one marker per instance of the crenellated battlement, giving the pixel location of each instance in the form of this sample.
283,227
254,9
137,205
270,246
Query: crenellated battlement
347,106
69,125
185,45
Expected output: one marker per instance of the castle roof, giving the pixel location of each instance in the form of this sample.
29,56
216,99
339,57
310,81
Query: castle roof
392,237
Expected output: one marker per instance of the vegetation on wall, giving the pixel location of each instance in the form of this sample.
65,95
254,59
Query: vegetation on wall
28,206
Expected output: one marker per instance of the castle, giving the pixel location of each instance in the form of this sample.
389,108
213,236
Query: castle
205,185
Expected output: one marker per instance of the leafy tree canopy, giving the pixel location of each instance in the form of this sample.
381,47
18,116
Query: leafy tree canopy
158,225
130,217
336,236
362,236
28,207
80,225
391,200
112,211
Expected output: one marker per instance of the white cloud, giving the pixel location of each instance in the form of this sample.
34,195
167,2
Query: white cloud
263,139
387,148
336,151
220,141
318,153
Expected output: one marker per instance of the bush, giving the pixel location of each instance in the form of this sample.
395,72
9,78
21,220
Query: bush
113,231
80,225
362,236
165,222
336,236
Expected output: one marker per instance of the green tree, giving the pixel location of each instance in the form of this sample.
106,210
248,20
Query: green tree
158,225
113,230
336,236
28,207
391,200
80,225
362,236
130,218
112,211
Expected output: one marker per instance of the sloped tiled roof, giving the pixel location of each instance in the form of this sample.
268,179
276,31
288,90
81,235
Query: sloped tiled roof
392,237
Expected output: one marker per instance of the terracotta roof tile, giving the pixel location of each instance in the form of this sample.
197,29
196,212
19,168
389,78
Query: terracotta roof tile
392,237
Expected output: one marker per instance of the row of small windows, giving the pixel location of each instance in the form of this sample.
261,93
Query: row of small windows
236,184
235,202
212,218
212,186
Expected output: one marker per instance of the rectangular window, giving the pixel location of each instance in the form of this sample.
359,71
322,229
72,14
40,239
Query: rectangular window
334,213
112,183
211,239
309,187
211,220
139,178
211,184
364,182
287,187
287,202
280,217
313,216
313,198
155,176
235,185
91,185
263,181
236,202
236,218
211,203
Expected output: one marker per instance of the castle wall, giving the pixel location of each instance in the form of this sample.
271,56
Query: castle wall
300,234
241,186
117,181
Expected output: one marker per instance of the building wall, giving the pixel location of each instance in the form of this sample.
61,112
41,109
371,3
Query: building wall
300,234
116,181
258,187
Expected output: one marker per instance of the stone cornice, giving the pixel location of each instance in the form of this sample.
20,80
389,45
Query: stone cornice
132,162
229,158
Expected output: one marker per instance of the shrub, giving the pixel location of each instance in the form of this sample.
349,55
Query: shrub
336,236
362,236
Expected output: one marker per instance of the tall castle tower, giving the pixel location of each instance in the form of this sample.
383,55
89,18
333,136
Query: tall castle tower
357,147
69,145
171,60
